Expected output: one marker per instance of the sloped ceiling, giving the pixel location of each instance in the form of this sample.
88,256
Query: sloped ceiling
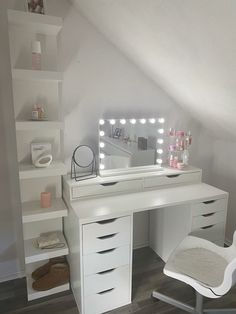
188,47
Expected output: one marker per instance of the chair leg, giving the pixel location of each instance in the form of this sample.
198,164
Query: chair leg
199,303
174,302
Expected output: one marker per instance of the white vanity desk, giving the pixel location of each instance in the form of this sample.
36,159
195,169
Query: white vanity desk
99,229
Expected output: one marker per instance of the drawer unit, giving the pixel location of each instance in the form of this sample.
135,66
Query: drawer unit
209,206
207,220
106,188
107,259
106,234
172,179
214,233
106,280
107,300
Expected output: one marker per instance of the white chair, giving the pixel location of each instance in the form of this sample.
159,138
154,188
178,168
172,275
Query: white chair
208,268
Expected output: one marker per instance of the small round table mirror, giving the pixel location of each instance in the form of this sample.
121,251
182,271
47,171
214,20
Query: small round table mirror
83,157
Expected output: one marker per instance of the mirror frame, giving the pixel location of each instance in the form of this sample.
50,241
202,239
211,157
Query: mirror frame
131,170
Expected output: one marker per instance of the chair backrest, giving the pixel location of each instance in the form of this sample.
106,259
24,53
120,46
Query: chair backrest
230,271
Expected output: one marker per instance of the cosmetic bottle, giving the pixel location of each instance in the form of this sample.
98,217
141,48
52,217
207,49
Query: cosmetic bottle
185,157
36,55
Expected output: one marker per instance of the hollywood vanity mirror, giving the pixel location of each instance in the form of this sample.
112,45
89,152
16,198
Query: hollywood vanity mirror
130,145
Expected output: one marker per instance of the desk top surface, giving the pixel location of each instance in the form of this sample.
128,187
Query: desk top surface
94,209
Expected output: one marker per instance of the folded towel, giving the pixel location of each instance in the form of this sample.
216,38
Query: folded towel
48,239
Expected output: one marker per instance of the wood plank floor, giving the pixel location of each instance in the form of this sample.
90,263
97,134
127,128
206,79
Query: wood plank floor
147,276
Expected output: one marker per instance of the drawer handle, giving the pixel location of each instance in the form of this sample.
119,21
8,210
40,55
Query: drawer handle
106,291
106,271
108,221
107,236
106,251
109,183
173,176
208,215
209,202
207,227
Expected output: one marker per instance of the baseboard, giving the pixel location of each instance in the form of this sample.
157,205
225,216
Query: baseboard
139,246
9,277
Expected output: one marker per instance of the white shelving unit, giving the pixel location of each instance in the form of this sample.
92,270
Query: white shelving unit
42,24
32,211
29,87
25,74
35,254
38,125
28,171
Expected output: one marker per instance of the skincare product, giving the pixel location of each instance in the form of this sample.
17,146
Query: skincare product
36,55
45,199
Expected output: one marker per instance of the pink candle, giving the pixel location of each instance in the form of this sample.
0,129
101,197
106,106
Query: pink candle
45,199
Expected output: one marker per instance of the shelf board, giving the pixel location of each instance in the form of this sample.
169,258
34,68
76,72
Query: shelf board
32,211
37,75
29,171
36,23
34,254
38,125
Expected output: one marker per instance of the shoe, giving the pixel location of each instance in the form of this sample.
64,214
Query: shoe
43,270
58,275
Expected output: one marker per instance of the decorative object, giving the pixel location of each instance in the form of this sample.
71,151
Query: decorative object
117,133
83,163
46,201
36,55
35,6
38,113
41,154
180,141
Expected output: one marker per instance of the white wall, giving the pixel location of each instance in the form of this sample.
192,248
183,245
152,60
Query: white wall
99,81
11,246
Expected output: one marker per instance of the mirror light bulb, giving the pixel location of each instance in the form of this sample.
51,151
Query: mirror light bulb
102,144
160,151
160,131
132,121
112,121
102,156
152,121
122,121
142,121
161,120
102,133
102,166
101,122
159,161
160,141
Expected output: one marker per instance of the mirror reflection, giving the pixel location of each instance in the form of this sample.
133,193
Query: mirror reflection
129,143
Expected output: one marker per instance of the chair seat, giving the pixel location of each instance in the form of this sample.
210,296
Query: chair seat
203,265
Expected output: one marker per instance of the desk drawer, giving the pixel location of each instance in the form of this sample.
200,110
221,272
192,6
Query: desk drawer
107,300
210,206
172,179
106,188
106,280
214,233
208,219
106,234
104,260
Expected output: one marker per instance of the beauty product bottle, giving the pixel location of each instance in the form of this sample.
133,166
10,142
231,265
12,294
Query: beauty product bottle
185,157
35,113
175,162
36,55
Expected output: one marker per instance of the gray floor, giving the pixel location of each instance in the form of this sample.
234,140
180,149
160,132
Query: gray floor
147,276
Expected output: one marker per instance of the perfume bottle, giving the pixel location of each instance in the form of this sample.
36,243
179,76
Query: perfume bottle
36,55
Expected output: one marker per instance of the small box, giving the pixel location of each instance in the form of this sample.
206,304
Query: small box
39,149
